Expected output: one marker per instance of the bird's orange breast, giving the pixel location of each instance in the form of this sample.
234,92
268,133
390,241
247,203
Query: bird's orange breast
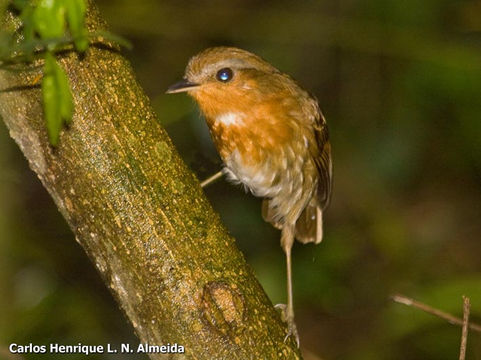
255,127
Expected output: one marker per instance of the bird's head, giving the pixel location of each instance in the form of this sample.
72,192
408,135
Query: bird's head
223,78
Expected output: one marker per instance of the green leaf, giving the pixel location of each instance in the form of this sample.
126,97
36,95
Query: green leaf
57,98
50,106
76,21
65,96
49,18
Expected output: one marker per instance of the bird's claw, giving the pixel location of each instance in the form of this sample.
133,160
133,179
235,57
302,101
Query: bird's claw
291,325
292,331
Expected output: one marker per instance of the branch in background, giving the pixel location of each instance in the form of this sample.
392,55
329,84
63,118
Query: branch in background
464,335
401,299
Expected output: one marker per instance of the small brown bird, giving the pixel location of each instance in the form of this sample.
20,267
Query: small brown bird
273,139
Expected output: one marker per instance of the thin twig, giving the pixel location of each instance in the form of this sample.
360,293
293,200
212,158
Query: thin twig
26,53
211,179
401,299
464,336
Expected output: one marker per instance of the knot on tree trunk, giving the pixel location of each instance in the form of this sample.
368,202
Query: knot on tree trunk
223,307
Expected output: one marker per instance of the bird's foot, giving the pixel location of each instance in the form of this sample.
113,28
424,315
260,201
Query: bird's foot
291,324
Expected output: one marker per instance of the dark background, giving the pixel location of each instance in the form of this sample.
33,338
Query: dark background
399,83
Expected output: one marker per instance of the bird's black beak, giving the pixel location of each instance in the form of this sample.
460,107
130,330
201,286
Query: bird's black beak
181,86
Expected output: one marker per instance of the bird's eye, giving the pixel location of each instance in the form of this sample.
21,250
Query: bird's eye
224,74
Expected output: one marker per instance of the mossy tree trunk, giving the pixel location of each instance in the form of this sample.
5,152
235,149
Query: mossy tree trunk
140,214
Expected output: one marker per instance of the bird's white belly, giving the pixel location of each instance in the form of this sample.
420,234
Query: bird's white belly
262,180
285,186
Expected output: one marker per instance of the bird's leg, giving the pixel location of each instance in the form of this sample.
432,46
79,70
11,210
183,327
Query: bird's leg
287,240
211,179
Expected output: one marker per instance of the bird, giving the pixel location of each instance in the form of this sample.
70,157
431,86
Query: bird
273,139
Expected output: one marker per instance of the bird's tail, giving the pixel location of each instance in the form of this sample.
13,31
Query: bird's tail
309,224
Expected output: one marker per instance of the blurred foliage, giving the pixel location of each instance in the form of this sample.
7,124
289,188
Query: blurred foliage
46,28
43,31
400,85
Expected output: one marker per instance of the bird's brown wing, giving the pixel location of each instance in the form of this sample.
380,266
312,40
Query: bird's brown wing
309,223
322,158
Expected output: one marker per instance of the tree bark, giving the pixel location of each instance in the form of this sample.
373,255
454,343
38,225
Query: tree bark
140,214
